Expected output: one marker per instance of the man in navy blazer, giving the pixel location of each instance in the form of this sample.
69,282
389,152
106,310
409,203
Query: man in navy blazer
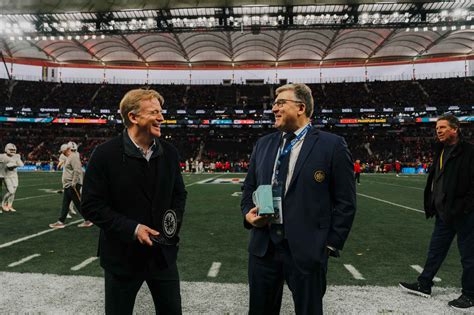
311,174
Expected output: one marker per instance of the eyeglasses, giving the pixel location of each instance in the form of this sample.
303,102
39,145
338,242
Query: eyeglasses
155,112
280,102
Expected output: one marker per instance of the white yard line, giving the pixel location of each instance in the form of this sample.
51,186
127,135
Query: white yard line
391,203
34,197
214,270
55,183
71,223
36,234
354,272
84,263
403,186
420,270
23,260
52,230
401,178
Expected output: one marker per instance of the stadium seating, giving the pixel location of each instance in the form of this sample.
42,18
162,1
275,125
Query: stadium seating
377,94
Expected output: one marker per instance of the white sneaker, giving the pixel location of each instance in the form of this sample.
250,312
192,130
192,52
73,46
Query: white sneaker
68,216
11,209
85,224
57,225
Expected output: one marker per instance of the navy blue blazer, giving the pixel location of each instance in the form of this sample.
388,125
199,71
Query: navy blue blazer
320,202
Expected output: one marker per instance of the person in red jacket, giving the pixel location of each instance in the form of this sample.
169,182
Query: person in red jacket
357,171
398,167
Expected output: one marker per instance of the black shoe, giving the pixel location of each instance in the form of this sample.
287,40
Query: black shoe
462,302
416,288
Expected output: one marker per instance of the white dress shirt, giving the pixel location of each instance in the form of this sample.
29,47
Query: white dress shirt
294,153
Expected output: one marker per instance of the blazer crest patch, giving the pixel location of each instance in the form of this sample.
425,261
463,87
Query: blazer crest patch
319,176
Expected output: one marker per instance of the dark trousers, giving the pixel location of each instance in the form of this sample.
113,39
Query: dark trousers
70,194
266,278
441,240
121,291
357,177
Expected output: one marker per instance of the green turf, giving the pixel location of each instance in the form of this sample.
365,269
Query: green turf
384,242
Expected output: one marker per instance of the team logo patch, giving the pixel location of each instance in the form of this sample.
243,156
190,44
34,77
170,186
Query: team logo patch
319,176
170,223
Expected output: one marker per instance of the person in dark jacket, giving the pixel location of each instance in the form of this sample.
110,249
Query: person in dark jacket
314,199
449,197
133,190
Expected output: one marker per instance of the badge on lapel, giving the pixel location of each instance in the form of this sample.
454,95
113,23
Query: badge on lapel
170,223
319,176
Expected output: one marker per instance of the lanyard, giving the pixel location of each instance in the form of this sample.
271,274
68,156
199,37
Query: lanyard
285,151
289,147
441,160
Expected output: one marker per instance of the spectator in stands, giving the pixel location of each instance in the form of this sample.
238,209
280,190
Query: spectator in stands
449,197
134,191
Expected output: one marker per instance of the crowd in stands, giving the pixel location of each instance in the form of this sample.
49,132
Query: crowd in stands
377,94
220,149
228,149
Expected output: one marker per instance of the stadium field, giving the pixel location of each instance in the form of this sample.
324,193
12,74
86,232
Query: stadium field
387,244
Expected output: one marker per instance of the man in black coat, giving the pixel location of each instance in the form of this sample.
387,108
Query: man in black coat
449,196
133,190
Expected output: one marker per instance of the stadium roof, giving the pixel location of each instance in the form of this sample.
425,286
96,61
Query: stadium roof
234,33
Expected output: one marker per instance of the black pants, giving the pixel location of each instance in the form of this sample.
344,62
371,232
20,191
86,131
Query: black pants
357,177
441,240
120,292
70,194
266,278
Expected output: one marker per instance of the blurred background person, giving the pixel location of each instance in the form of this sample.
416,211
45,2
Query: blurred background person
11,160
72,182
357,171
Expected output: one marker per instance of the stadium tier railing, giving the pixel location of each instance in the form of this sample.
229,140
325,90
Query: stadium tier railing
239,81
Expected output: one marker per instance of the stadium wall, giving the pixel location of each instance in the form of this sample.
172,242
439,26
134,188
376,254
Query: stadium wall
396,72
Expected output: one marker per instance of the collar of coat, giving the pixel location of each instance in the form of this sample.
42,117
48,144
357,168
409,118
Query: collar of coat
131,150
458,148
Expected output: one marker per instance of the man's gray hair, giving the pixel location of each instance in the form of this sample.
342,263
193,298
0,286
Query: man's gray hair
302,93
452,120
